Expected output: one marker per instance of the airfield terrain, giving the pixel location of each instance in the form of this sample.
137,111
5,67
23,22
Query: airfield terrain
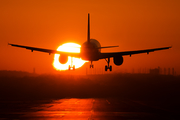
106,97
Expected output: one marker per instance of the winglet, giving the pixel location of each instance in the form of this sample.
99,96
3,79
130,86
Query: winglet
88,36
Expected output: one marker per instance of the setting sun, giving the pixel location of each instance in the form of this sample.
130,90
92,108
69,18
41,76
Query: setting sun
68,47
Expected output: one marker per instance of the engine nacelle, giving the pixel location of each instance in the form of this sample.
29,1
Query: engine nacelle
63,59
118,60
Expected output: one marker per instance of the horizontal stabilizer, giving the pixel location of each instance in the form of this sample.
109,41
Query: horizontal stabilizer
107,47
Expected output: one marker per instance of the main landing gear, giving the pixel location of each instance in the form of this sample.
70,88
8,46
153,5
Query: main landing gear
91,65
71,67
107,66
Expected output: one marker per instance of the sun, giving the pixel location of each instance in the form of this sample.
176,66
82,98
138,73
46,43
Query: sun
68,47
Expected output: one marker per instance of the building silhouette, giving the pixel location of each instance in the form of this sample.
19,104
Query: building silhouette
155,71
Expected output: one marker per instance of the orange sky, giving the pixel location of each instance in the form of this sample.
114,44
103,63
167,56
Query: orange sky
131,24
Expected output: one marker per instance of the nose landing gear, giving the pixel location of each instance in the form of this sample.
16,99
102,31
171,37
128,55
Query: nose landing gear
107,66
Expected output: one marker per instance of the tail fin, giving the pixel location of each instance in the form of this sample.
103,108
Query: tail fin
88,36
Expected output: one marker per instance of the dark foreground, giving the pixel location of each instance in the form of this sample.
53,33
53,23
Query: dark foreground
97,97
89,109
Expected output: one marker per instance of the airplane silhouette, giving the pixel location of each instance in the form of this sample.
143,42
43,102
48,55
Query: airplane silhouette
91,51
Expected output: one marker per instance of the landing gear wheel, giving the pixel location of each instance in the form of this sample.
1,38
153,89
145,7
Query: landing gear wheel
106,68
91,66
110,68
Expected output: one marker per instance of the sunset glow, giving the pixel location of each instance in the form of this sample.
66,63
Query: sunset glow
68,47
131,24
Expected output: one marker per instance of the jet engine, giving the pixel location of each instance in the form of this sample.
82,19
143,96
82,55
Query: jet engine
118,60
63,59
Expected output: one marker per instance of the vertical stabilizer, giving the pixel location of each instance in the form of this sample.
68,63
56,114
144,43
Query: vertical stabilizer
88,35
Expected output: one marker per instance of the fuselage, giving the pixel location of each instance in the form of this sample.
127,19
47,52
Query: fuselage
90,50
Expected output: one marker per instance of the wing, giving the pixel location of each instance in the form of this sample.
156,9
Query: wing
46,50
108,55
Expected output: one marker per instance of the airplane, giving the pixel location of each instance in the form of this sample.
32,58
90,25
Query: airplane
91,51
